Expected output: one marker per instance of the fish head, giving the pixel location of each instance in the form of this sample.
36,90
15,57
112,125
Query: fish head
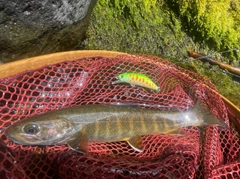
41,130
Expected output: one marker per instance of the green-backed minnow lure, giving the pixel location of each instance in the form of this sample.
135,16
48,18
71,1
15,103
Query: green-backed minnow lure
136,79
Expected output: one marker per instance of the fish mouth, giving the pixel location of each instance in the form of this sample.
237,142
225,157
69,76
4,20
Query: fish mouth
13,138
21,138
10,134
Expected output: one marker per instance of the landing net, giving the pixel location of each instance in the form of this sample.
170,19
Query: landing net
207,152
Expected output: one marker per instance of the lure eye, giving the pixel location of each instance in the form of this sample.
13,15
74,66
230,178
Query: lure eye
31,128
121,76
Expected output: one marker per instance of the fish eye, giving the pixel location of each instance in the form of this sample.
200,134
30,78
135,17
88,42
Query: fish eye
121,76
31,128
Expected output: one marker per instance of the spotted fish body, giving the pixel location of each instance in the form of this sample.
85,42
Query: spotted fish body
143,122
76,126
136,79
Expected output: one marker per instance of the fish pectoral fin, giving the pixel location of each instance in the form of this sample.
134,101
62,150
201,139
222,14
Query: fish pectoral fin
79,143
136,143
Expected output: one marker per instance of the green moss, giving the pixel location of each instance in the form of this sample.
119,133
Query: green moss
135,27
216,22
131,9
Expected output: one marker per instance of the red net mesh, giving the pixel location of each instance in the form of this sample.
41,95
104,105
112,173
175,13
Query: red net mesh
201,153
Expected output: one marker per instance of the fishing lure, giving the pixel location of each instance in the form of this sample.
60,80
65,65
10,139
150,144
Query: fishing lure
136,79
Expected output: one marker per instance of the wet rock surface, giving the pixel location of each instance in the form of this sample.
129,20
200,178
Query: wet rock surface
30,27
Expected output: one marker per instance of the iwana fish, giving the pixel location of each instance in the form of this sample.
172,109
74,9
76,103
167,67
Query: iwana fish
76,126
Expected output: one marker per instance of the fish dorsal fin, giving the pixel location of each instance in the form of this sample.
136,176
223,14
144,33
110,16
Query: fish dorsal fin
136,143
79,143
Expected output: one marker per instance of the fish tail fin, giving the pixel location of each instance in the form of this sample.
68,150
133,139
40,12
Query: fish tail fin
211,119
208,118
